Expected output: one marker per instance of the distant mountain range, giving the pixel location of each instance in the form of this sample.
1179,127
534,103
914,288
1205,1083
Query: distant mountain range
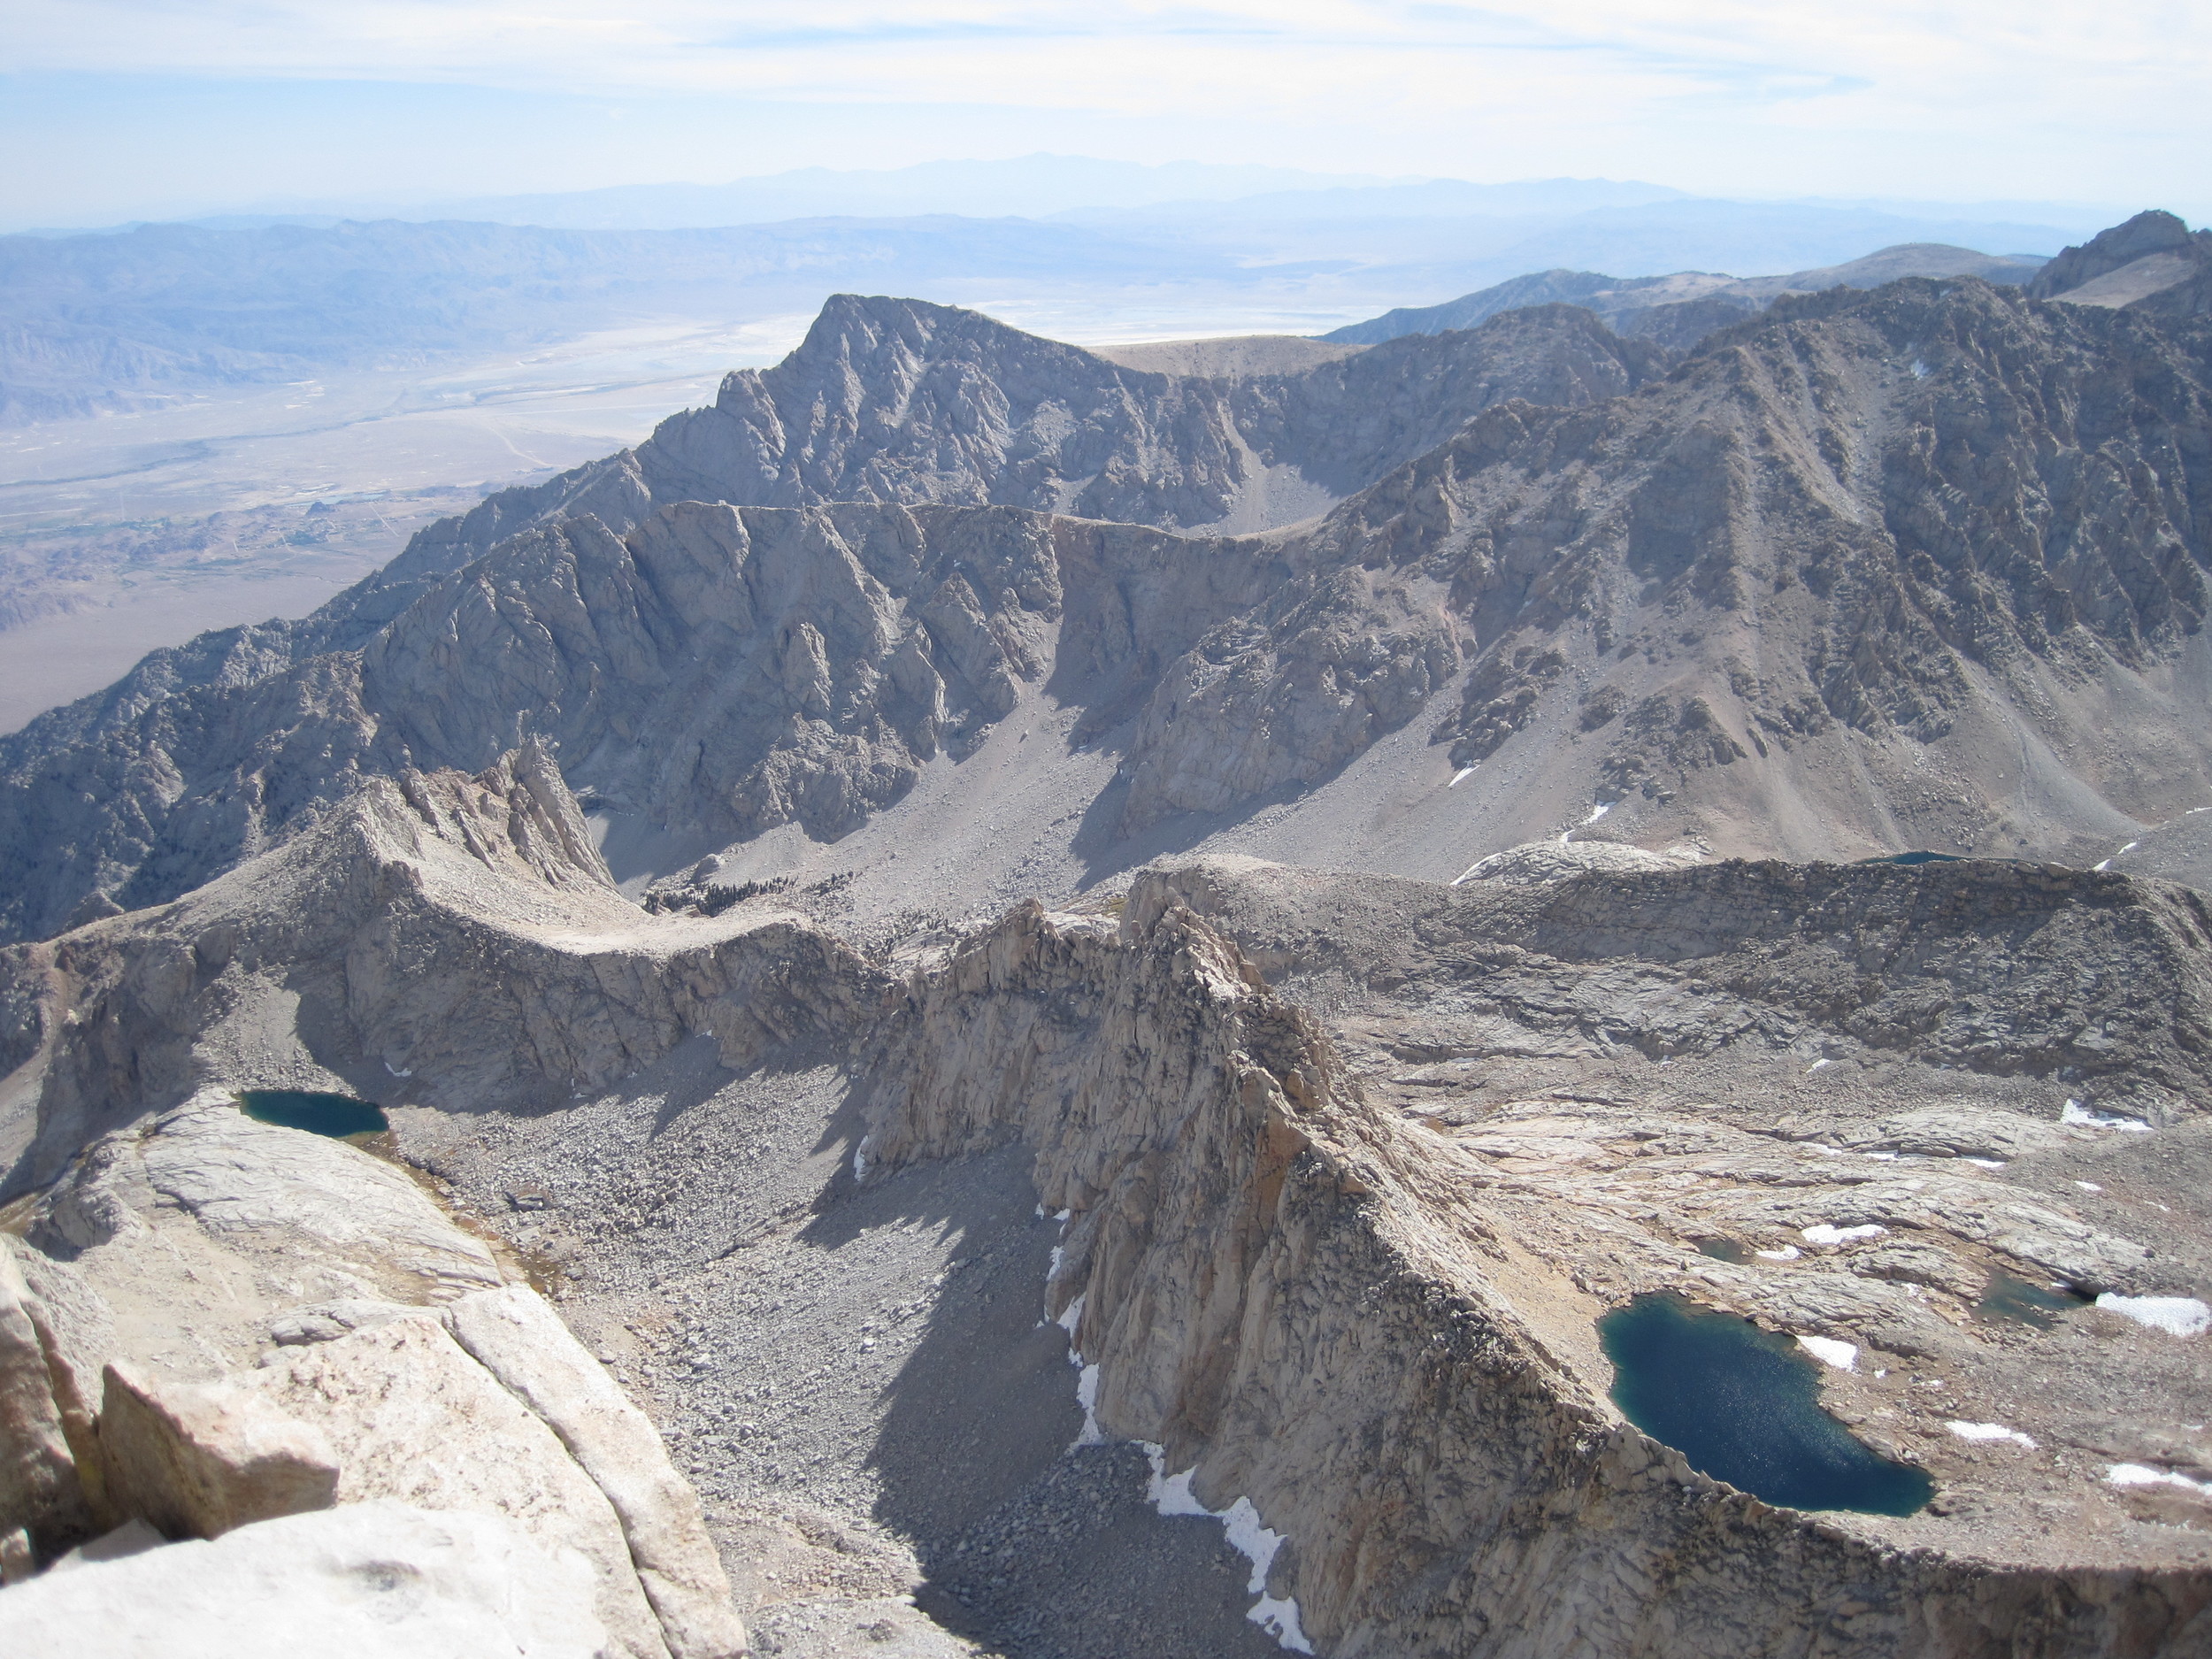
93,323
1683,308
1868,572
1045,186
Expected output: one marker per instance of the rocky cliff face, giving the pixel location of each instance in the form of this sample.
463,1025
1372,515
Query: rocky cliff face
1919,567
1867,514
722,671
1357,1292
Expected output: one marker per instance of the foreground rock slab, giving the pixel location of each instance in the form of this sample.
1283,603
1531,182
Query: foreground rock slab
198,1460
369,1581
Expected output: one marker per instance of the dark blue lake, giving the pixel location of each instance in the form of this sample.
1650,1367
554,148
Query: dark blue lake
333,1115
1743,1405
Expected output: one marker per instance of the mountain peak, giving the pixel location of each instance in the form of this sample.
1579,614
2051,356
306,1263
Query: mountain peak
2147,234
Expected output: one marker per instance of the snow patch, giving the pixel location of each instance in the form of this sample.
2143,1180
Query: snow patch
2082,1117
1070,1317
1460,777
1248,1535
1816,1066
2176,1316
1824,1234
1985,1163
1830,1352
1278,1616
1596,812
1171,1495
1251,1540
860,1157
2140,1475
1787,1253
1991,1432
1086,1396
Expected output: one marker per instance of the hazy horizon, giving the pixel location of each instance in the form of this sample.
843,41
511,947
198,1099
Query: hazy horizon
134,110
1039,184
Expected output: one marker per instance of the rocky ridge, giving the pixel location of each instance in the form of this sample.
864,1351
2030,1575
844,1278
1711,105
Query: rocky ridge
1349,1167
1321,1288
1813,592
256,1297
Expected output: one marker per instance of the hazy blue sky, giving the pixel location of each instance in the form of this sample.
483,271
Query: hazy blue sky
127,107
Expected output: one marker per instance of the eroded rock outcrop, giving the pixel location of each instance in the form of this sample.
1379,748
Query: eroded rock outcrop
39,1491
520,1340
423,1424
483,1405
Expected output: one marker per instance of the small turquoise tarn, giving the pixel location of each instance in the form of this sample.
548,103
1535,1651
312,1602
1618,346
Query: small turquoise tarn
1743,1405
337,1116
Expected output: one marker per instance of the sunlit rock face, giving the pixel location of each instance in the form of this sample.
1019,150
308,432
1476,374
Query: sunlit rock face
1874,572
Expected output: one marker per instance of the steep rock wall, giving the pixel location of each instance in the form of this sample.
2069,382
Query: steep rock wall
1283,1292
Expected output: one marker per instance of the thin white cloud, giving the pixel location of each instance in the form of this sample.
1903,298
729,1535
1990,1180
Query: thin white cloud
2020,96
866,50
